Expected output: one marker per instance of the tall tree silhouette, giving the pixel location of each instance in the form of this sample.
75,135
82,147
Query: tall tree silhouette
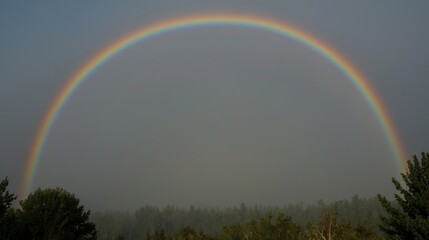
410,220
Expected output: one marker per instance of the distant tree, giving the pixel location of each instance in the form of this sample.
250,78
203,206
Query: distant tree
268,228
286,228
326,228
329,228
410,220
232,232
55,214
186,233
157,235
112,224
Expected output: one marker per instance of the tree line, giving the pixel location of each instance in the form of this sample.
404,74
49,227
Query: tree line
213,221
57,214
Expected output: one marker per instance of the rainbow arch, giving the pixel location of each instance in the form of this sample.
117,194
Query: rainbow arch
330,54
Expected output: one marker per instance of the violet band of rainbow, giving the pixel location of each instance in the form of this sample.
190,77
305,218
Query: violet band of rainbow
330,54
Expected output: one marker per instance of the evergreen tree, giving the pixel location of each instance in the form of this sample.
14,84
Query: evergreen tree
8,221
6,198
410,220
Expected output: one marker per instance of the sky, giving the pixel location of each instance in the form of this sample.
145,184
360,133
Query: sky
212,116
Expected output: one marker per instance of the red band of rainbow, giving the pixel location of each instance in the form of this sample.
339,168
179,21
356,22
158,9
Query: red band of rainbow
356,78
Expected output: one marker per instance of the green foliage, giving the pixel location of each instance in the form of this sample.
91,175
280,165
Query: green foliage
410,220
186,233
45,214
6,198
232,223
157,235
267,228
55,214
280,228
8,219
233,232
329,228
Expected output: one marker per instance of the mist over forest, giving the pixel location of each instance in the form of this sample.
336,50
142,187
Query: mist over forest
149,219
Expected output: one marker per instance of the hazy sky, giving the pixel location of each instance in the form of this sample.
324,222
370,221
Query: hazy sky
212,116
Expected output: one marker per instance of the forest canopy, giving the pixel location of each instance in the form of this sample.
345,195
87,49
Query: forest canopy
58,214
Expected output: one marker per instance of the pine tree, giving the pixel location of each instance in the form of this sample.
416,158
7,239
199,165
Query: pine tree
6,198
8,223
410,219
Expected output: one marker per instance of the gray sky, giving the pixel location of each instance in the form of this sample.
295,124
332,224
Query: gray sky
211,116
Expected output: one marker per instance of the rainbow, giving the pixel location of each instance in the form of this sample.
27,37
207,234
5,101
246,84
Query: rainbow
270,25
